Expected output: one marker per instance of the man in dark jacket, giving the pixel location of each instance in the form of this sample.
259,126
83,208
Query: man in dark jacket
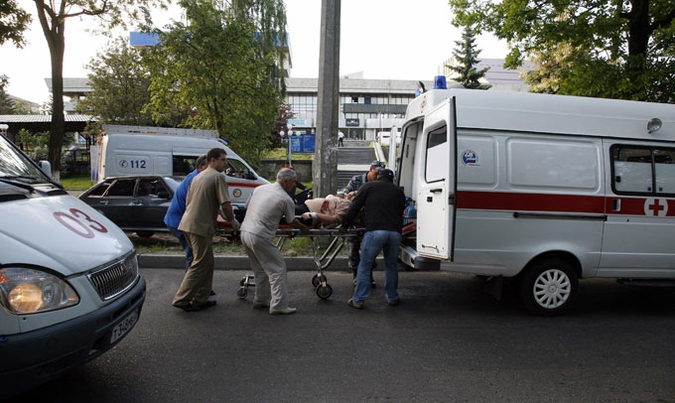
384,203
354,243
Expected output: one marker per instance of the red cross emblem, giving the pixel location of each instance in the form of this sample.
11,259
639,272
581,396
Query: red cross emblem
656,207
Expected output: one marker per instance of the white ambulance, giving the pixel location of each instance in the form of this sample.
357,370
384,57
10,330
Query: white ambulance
140,150
70,287
541,189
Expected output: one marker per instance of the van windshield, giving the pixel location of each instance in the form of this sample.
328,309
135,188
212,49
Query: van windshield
15,165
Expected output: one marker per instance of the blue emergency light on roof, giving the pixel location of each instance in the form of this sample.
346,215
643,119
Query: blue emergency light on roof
439,83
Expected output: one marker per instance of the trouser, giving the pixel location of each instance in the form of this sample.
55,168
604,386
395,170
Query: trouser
198,280
354,253
184,244
373,242
269,270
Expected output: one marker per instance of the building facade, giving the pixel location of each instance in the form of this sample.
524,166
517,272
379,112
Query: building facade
367,106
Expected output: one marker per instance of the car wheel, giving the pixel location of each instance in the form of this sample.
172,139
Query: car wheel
144,234
548,287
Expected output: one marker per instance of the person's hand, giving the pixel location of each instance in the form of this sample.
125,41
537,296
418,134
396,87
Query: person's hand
309,216
235,224
342,229
304,229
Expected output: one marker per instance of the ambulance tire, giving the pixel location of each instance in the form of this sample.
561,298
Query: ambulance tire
548,287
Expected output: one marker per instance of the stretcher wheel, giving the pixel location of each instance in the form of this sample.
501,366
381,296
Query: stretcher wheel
318,279
324,291
241,293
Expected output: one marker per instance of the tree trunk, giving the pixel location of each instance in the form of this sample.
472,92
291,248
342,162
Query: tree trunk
53,28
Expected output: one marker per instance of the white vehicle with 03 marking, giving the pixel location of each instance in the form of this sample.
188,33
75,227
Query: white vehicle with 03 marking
70,287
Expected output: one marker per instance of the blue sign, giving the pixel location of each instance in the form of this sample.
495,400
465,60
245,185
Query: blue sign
296,146
308,143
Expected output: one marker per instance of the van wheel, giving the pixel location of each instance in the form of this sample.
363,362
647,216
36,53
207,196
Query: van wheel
144,234
548,287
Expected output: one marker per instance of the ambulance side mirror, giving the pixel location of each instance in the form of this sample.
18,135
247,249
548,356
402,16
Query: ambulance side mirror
46,167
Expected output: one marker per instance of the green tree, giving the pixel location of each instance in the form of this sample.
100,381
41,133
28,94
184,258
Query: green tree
223,66
6,104
120,86
14,21
466,55
53,15
621,49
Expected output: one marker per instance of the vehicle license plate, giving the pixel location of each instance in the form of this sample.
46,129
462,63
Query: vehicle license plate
124,326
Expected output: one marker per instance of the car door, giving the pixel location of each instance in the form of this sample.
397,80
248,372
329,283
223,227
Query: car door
117,202
437,183
640,226
150,203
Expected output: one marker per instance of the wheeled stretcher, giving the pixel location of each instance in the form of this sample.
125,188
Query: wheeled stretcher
321,261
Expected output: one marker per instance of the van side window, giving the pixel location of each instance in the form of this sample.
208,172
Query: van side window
238,170
643,170
183,164
436,150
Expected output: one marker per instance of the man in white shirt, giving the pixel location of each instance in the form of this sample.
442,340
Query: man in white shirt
264,210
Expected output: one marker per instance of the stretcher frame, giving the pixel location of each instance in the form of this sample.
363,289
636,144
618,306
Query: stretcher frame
322,261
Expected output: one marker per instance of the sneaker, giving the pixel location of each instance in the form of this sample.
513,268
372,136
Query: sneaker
260,304
394,302
283,311
353,304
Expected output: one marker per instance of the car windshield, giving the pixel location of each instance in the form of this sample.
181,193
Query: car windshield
16,166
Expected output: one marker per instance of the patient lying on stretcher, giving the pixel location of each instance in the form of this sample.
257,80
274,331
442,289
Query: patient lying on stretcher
325,211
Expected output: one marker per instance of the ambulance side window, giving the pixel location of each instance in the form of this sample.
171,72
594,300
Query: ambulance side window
183,164
643,170
436,154
664,171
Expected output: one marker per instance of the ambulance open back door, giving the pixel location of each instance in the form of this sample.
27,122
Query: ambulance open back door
437,188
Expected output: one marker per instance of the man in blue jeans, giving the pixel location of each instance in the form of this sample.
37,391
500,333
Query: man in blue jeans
177,208
384,203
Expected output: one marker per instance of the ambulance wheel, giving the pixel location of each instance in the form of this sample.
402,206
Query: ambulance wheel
548,287
324,291
241,293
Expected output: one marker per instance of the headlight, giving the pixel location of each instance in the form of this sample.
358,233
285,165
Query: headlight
25,290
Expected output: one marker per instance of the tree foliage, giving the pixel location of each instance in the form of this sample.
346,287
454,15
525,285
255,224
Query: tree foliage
6,104
53,15
281,125
14,21
466,55
620,49
120,86
223,65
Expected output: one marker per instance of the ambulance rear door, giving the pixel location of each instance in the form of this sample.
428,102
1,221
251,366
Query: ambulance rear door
437,187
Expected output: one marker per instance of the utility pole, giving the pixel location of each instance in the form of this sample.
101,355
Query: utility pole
324,165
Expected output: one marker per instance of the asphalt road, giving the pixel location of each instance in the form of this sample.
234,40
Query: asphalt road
448,341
